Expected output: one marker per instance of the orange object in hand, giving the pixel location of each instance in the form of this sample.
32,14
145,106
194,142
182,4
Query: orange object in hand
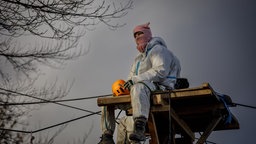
118,88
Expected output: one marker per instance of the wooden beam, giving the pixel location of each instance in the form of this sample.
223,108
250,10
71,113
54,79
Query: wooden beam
152,129
158,99
179,121
208,130
183,93
182,124
114,100
164,108
200,92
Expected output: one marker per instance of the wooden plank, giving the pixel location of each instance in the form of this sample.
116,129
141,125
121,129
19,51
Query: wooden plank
202,91
203,86
164,108
127,99
208,130
158,99
113,100
193,93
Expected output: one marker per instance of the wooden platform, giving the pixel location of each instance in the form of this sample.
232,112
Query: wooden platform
197,109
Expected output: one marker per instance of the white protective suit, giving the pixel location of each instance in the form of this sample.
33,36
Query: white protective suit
156,68
124,129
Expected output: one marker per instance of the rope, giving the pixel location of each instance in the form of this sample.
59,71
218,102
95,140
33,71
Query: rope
170,119
48,101
248,106
64,100
52,126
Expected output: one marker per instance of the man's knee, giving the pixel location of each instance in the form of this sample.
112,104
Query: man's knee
144,86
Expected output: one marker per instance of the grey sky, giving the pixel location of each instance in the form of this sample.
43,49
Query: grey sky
215,41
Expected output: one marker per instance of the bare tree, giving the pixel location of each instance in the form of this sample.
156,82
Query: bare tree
58,25
56,19
19,16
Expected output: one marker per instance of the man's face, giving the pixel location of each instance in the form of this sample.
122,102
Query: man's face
141,41
137,35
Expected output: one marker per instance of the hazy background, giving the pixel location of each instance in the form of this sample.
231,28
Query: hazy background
215,41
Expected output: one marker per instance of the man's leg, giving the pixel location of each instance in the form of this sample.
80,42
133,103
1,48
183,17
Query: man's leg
140,100
107,125
124,129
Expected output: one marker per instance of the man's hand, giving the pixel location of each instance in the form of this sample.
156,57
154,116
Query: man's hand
128,84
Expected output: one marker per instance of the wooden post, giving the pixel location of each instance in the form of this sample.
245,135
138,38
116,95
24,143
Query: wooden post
152,129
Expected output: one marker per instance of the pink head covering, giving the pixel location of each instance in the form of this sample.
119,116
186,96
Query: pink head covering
142,40
145,29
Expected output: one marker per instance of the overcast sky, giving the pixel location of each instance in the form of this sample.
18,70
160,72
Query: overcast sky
215,41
